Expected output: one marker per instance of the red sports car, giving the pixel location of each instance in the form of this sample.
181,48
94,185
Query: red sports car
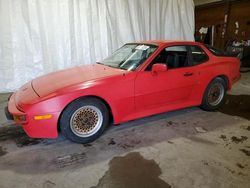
137,80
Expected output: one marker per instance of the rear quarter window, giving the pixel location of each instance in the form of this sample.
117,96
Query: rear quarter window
216,51
198,55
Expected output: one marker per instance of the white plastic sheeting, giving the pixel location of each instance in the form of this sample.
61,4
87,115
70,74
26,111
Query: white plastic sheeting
40,36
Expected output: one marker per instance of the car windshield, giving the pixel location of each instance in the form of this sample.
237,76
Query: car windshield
130,56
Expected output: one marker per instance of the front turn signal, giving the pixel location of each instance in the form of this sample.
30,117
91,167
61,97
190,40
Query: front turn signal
43,117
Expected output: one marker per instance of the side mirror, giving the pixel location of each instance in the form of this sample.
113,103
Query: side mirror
159,67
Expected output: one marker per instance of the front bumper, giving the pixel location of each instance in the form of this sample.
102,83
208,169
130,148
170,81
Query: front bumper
8,115
13,113
33,128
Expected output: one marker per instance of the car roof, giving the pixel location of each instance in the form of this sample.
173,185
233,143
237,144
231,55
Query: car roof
171,42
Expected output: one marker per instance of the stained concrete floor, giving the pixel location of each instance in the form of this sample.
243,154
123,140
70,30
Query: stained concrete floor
184,148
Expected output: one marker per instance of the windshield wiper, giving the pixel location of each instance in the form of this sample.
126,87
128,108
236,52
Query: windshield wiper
99,63
116,67
122,68
111,66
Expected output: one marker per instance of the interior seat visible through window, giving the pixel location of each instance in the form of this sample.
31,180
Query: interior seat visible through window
173,57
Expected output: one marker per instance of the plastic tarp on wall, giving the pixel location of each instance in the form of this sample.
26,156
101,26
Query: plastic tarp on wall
40,36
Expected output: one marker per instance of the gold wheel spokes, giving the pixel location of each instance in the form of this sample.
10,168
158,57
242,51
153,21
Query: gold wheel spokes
86,121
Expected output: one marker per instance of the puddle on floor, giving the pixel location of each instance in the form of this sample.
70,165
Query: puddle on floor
246,152
27,141
2,151
237,105
240,165
238,140
132,171
11,132
15,133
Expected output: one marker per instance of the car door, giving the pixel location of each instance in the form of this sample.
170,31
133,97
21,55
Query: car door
173,86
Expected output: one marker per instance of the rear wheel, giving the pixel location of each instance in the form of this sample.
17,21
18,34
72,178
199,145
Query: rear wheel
214,96
84,120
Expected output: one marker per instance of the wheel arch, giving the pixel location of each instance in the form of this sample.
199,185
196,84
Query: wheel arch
84,97
222,76
225,78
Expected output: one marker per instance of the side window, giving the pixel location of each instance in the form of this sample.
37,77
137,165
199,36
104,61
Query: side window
177,57
173,57
198,55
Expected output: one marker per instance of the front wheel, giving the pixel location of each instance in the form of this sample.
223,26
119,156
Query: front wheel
214,96
84,120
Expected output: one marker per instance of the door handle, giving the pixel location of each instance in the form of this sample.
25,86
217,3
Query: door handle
188,74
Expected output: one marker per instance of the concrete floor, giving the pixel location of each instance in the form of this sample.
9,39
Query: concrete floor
185,148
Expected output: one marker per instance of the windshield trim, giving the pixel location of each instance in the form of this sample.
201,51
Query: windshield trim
142,43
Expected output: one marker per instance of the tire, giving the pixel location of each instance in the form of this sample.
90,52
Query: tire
84,120
214,96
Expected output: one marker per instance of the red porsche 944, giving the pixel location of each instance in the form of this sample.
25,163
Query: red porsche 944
137,80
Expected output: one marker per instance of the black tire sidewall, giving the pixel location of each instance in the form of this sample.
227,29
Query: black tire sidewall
205,104
69,111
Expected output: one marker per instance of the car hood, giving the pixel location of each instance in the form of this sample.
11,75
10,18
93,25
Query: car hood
55,81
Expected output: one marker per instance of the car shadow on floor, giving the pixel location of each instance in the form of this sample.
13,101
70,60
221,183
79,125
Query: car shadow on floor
20,153
61,154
